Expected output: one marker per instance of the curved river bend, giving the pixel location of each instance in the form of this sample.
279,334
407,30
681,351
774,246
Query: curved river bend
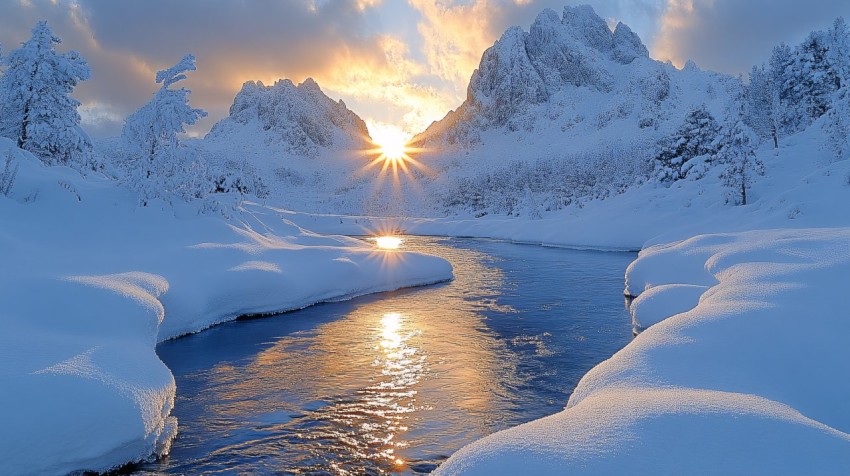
398,381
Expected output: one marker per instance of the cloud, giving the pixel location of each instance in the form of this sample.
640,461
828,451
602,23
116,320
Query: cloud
125,42
732,35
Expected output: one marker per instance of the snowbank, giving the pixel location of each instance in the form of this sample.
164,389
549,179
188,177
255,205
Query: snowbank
90,283
749,379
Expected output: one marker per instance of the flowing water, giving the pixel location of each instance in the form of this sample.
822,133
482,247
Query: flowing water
396,382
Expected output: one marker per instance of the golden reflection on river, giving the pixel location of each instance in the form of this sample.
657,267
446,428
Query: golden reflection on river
405,370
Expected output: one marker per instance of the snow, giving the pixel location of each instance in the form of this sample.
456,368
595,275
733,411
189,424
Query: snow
742,383
91,282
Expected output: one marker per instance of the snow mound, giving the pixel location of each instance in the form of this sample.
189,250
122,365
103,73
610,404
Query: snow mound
91,283
748,381
660,302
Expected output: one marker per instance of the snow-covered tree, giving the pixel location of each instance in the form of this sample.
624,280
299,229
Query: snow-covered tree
804,80
161,165
761,114
695,138
838,54
737,153
838,122
36,108
778,70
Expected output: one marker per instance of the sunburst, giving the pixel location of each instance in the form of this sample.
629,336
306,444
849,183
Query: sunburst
392,151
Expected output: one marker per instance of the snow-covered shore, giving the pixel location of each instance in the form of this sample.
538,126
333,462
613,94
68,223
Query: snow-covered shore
747,380
90,283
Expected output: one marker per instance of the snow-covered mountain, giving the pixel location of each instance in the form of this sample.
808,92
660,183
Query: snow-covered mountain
308,148
301,118
572,76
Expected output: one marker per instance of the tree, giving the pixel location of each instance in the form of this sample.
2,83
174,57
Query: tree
760,105
151,136
738,153
779,69
696,137
838,121
36,108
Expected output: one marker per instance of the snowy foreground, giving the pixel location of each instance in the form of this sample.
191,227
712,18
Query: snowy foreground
746,377
91,282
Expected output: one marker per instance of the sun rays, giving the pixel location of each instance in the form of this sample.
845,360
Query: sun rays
392,153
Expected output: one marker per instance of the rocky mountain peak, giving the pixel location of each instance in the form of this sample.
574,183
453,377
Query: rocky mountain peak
301,118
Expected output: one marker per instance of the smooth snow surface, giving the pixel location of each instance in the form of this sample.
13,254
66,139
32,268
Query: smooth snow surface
749,381
90,283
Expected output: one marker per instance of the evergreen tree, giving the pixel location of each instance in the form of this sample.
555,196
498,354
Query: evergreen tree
696,137
838,122
838,53
150,134
779,69
805,80
760,105
738,154
36,108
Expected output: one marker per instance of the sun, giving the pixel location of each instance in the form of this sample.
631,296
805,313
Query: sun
393,155
391,142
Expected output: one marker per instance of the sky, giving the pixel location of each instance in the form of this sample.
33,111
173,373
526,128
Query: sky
402,63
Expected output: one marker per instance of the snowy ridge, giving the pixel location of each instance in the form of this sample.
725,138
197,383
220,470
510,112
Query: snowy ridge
300,117
737,383
91,282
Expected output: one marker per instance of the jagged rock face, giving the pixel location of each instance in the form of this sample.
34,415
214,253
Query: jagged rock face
627,45
302,118
507,79
522,70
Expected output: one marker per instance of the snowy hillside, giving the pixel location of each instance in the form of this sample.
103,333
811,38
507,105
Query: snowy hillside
802,185
91,282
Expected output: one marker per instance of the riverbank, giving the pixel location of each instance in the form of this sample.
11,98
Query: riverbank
746,379
91,282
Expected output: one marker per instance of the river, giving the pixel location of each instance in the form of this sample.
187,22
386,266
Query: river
396,382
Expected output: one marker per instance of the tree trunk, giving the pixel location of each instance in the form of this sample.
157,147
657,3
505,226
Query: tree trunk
22,137
775,137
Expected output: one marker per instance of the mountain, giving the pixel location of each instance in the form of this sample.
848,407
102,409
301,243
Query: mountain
307,149
301,118
572,73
